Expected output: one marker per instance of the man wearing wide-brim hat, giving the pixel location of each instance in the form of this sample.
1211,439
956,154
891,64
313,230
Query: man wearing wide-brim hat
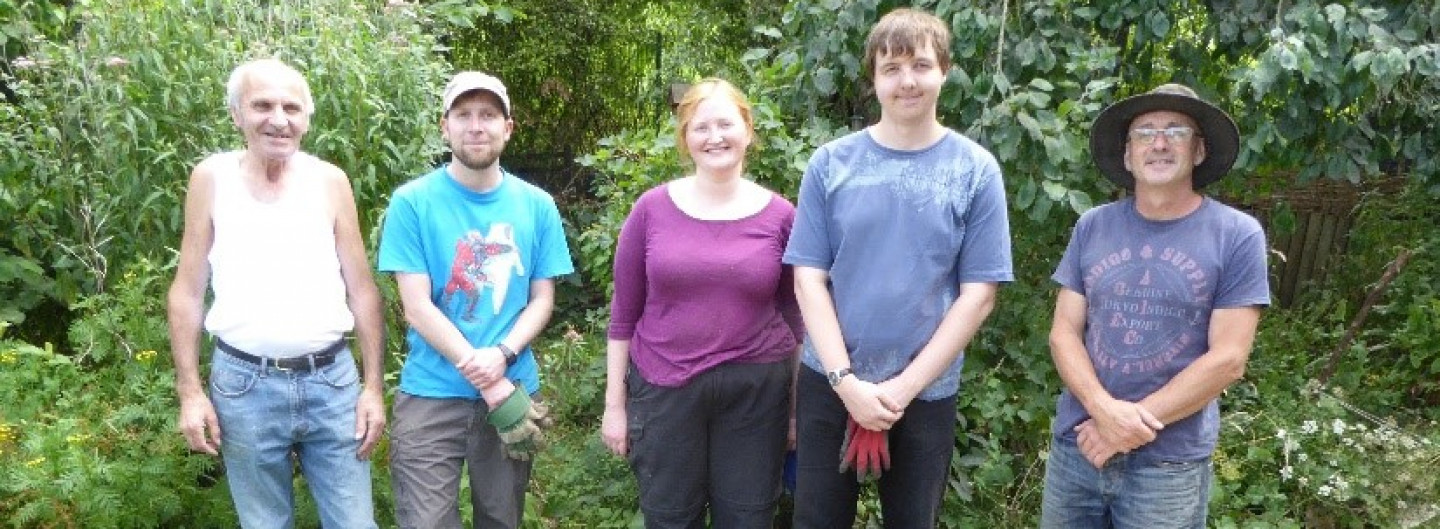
1160,295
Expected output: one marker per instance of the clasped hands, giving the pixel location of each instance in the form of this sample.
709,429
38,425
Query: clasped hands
872,409
482,367
1117,428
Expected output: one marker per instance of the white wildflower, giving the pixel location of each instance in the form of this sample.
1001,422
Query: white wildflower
1309,427
1338,426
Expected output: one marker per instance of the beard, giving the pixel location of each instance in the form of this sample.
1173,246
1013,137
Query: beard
477,161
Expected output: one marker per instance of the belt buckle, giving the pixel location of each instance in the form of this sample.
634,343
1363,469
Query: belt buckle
279,365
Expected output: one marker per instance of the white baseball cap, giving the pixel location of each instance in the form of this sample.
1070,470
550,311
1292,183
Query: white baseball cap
467,81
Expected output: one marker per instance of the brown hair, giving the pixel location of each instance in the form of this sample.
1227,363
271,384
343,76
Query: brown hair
705,89
903,31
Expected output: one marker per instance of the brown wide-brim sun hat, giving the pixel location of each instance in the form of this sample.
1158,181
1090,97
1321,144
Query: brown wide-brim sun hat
1112,128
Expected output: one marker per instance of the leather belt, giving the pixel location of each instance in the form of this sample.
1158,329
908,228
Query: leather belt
315,360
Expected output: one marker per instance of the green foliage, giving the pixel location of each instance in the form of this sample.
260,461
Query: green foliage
580,484
95,155
24,284
89,440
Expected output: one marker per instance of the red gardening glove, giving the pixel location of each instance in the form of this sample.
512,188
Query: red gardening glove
869,450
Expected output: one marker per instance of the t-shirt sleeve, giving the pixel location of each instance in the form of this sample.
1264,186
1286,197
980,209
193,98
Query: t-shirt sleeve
401,247
985,252
1067,273
554,253
809,243
1245,281
628,302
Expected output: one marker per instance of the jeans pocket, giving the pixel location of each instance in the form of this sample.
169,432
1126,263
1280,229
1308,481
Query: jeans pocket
341,373
232,381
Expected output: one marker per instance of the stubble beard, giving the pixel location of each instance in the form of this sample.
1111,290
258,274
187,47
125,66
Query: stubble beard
479,162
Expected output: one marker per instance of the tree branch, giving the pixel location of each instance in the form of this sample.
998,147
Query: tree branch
1370,300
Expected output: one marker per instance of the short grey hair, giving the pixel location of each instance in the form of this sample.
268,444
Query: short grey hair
240,78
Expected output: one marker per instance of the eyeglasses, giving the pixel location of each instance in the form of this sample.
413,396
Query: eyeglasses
1172,134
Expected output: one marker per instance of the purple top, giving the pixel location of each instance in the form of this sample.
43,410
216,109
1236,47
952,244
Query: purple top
692,294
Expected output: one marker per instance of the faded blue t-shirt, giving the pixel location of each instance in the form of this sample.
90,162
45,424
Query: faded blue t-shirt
899,231
1150,287
481,251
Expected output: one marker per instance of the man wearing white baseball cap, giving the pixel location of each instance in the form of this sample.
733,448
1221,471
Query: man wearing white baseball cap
1160,296
474,251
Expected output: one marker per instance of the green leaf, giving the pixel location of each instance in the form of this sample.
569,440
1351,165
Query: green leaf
1159,24
825,81
1041,84
1335,13
1079,201
1026,194
1055,190
1030,124
1287,58
754,55
1002,83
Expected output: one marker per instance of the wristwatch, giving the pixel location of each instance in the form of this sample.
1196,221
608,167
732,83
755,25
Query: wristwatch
510,355
837,375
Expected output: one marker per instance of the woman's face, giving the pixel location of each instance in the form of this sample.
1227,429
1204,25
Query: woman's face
717,136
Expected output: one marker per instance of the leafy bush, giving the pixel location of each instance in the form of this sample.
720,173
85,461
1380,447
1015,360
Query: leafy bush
110,122
89,440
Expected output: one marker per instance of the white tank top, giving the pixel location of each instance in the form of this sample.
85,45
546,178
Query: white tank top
274,267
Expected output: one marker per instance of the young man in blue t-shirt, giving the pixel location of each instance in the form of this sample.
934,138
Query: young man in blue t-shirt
900,242
1159,302
474,251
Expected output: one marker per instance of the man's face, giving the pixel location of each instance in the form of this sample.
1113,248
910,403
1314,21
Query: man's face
476,129
1159,152
908,86
272,115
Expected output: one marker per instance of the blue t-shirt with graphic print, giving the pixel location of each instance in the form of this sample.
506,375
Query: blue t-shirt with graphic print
481,251
1150,287
898,232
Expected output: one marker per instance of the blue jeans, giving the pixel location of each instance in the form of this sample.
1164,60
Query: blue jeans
1129,491
268,414
921,444
718,442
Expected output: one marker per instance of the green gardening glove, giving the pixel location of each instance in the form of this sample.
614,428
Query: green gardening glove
518,420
